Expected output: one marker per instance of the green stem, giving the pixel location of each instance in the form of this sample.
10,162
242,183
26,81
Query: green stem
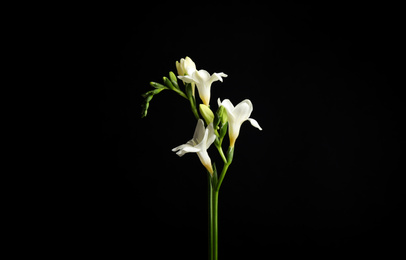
221,153
210,216
181,93
192,100
223,173
215,224
194,110
230,155
214,188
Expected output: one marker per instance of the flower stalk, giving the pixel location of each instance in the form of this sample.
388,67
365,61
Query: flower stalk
215,200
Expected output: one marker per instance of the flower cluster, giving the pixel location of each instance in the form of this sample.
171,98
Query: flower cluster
214,127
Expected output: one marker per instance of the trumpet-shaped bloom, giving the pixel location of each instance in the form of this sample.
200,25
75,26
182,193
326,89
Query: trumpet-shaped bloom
203,81
236,116
201,141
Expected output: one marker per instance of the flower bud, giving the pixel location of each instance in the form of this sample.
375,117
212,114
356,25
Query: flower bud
206,113
222,114
157,85
168,83
173,79
179,68
221,117
185,67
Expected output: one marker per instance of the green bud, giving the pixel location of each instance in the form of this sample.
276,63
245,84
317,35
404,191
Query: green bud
221,117
147,98
157,85
144,111
174,79
224,117
206,113
169,84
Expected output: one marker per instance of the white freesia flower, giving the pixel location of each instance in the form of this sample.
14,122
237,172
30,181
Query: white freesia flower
202,139
203,81
236,116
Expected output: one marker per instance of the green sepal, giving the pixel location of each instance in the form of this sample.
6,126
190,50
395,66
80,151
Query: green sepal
230,155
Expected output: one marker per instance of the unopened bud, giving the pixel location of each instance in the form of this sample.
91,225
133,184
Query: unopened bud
168,83
223,115
173,79
206,113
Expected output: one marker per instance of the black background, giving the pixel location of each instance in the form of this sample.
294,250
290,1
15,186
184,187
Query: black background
324,175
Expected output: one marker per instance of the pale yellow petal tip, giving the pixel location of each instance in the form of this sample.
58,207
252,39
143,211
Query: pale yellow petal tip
209,168
232,142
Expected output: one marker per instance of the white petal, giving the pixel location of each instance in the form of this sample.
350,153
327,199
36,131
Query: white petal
217,76
180,147
229,108
204,94
179,69
254,123
201,76
233,131
205,160
185,148
202,144
177,148
243,110
211,136
188,149
199,132
227,105
219,102
190,66
187,79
